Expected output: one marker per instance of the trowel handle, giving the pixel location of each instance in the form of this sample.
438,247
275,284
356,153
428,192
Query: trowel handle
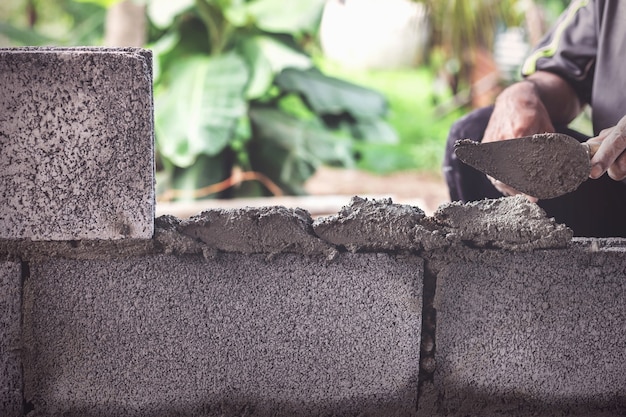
591,148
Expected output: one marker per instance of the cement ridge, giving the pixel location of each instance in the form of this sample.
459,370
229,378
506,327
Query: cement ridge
509,223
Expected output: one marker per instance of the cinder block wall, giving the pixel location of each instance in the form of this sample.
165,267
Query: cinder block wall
76,131
482,309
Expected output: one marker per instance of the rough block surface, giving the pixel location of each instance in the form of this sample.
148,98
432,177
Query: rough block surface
528,334
76,133
10,339
510,223
254,230
288,335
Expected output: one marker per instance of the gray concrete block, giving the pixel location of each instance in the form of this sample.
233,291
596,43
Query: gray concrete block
528,334
76,132
10,339
288,335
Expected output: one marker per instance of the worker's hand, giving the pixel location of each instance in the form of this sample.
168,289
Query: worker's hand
611,155
518,112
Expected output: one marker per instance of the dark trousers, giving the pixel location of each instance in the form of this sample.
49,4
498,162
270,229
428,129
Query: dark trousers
596,209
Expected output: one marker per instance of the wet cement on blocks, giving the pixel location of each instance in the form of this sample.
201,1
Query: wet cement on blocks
267,312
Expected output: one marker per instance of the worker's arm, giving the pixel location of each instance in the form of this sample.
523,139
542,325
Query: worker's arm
532,106
562,105
539,102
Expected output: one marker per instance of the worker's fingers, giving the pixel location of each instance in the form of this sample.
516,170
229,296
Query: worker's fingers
603,134
597,169
617,170
609,156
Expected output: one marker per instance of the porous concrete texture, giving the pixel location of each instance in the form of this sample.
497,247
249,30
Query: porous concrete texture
538,333
510,223
530,165
236,334
363,225
257,230
263,311
374,225
76,132
10,339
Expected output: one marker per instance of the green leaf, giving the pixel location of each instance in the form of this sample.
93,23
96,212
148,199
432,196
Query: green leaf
198,113
266,58
375,131
179,43
328,95
289,150
101,3
207,170
89,25
279,16
23,36
161,48
237,13
163,12
292,104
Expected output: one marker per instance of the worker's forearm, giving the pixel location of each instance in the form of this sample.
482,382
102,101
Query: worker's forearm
557,95
532,106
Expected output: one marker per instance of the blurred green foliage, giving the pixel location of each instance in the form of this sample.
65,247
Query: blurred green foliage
412,102
236,86
44,22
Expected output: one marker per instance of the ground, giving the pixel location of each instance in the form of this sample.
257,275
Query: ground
332,188
426,190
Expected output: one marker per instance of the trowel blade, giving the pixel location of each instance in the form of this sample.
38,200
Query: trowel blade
545,166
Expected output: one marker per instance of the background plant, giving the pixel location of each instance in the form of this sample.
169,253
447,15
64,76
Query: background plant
234,87
239,97
44,22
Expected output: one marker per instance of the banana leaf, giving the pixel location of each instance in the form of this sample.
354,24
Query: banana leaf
277,16
289,150
198,112
375,131
189,182
328,95
266,57
23,37
163,12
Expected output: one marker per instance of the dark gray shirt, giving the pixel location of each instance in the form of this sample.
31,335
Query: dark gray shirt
587,47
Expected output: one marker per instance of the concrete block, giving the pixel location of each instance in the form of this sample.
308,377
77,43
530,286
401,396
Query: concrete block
288,335
528,334
10,339
76,132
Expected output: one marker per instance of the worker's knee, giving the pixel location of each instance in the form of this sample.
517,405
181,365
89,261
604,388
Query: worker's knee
471,126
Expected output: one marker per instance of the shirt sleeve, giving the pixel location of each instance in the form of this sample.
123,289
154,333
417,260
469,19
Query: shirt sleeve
569,49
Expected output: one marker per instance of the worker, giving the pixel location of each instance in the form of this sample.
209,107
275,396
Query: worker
579,62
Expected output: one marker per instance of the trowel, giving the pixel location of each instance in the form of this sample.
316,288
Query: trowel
545,165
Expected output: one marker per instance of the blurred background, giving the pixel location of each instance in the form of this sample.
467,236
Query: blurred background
301,103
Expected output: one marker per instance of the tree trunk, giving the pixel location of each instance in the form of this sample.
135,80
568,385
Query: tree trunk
125,25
